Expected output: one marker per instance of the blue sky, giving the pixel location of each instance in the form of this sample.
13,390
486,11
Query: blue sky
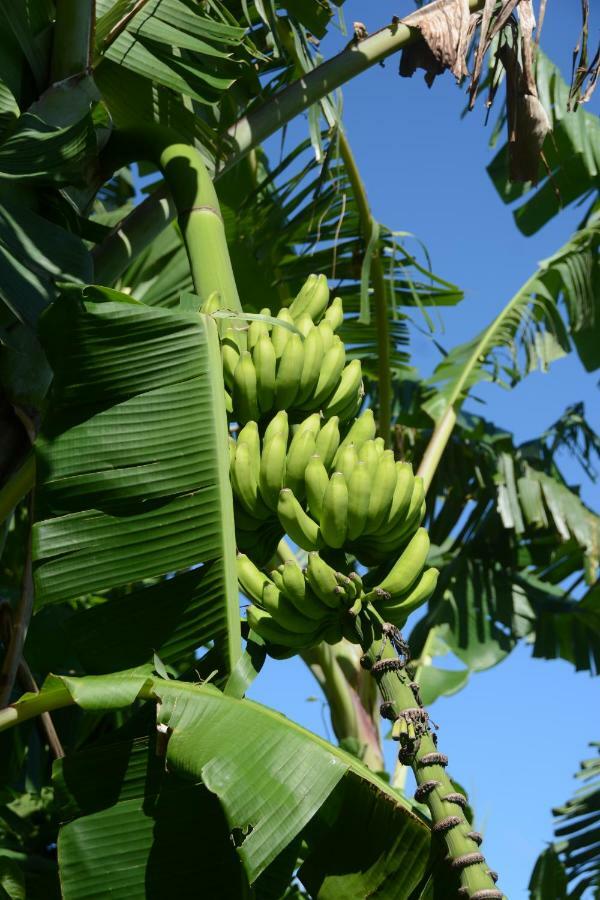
516,733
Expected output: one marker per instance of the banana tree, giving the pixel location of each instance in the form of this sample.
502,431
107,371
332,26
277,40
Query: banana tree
129,345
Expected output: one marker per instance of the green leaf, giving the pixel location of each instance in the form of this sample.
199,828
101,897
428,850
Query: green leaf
435,682
267,802
54,141
12,881
313,14
359,847
35,254
578,831
530,324
548,879
139,830
132,459
9,108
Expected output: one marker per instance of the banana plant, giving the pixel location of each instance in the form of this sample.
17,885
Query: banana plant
131,340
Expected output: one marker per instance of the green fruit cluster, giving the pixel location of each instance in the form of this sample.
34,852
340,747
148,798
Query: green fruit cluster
295,608
324,491
301,368
362,501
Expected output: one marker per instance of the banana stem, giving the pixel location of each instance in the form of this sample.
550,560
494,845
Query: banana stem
436,446
351,717
367,226
462,843
194,198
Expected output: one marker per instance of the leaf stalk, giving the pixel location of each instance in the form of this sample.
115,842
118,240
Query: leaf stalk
367,227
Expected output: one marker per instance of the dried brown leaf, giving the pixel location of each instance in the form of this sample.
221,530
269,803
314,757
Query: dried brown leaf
527,22
482,48
582,71
445,30
528,122
592,73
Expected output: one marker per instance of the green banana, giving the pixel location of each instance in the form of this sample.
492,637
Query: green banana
397,613
230,355
265,363
335,313
361,430
311,364
305,325
403,491
355,577
334,515
327,441
369,455
271,477
347,390
349,629
281,335
316,480
347,586
408,567
382,492
290,365
231,445
359,492
352,407
299,592
333,632
311,424
332,367
413,518
249,435
346,461
299,304
321,578
303,530
301,449
276,577
284,613
256,331
245,482
245,399
264,625
278,425
327,335
319,298
252,580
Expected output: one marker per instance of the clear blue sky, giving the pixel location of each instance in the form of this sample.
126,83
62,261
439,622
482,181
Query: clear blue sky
516,733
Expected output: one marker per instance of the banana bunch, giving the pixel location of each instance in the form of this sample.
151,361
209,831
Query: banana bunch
300,368
406,586
297,608
361,499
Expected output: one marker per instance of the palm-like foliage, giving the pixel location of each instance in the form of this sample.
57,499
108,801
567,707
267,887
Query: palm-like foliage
570,869
529,332
499,519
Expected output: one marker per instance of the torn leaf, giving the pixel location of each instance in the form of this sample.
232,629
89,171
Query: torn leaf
445,30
